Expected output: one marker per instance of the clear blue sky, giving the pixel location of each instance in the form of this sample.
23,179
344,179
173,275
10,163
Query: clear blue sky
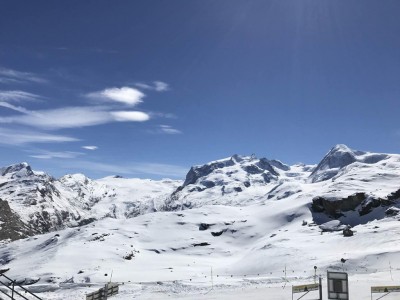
149,88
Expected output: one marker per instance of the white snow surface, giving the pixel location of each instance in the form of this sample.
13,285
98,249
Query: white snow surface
256,242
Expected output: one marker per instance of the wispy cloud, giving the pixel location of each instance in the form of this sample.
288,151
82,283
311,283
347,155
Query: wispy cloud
21,137
17,96
161,86
167,170
155,114
92,148
16,108
51,154
169,129
158,86
126,95
72,117
14,76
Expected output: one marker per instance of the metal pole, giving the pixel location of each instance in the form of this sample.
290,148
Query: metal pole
12,291
320,288
212,280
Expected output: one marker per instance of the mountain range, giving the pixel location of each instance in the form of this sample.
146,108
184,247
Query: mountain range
241,214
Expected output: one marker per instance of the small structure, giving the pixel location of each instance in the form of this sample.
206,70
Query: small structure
386,290
306,288
338,285
109,289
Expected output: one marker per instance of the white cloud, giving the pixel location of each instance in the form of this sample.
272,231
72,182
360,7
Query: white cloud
169,129
90,147
51,154
133,116
124,95
18,137
72,117
17,96
158,86
13,76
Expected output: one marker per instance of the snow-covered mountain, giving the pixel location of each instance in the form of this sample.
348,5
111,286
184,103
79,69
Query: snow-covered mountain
346,184
241,215
35,202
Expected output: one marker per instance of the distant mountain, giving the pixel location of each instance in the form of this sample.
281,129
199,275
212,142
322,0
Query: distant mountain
348,185
35,202
338,158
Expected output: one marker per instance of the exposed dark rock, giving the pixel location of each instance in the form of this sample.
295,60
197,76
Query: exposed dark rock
204,226
392,211
394,196
200,171
267,177
11,225
265,165
218,233
201,244
253,169
367,206
155,250
86,221
334,208
278,164
207,183
348,232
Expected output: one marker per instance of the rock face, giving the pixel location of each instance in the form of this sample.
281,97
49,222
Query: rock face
335,207
11,227
34,202
225,181
356,206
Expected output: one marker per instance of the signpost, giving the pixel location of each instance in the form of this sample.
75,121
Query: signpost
110,289
338,285
384,289
306,288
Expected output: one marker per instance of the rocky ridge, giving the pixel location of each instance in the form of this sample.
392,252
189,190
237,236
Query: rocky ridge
350,186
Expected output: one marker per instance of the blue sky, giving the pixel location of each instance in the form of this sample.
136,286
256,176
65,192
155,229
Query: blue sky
149,88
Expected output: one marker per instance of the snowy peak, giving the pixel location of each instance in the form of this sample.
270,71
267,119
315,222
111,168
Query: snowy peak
237,180
17,170
340,157
197,172
233,165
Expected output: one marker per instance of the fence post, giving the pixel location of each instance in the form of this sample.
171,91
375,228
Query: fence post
105,291
12,290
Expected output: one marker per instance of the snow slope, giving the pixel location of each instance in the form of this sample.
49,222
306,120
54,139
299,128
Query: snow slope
257,225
